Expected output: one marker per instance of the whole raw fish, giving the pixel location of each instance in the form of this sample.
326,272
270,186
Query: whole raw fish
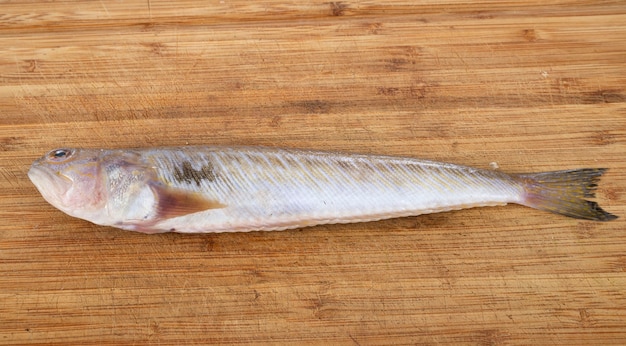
229,189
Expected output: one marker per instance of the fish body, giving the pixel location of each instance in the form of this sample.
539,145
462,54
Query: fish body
229,189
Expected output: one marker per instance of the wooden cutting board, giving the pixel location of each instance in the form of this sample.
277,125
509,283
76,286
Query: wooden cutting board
524,85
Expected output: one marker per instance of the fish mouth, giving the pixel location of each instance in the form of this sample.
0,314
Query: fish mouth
51,185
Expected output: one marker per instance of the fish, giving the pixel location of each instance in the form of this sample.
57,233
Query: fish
204,189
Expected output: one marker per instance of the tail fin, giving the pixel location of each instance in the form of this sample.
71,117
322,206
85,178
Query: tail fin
564,192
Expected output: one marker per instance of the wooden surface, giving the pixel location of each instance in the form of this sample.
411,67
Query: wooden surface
530,85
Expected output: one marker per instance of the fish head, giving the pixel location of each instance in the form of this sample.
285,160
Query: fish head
71,180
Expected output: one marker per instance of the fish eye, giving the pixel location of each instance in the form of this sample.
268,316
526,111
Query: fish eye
58,155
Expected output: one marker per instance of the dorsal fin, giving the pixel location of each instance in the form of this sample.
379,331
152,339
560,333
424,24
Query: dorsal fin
172,202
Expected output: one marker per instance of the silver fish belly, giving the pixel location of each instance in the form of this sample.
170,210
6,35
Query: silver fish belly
230,189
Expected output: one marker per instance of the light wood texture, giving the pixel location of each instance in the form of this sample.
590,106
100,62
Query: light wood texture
531,85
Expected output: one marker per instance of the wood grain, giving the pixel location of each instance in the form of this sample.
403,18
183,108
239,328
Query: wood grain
533,85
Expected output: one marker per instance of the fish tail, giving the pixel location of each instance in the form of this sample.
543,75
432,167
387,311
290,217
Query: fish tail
565,193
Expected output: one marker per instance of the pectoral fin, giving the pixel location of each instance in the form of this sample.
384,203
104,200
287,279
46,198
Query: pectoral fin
172,202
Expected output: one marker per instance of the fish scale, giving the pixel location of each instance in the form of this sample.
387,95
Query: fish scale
317,187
